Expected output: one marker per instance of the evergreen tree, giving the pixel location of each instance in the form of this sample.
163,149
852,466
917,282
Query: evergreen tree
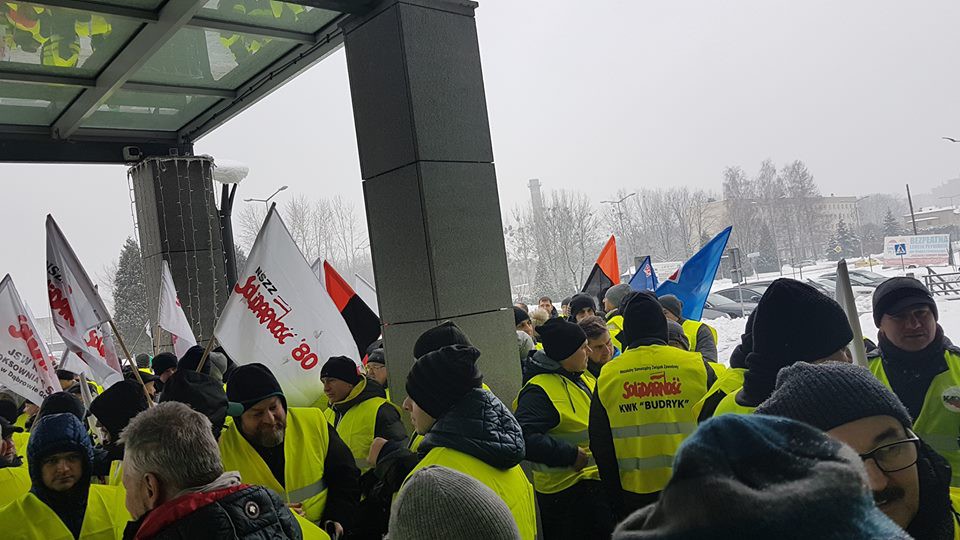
846,240
768,261
891,226
130,310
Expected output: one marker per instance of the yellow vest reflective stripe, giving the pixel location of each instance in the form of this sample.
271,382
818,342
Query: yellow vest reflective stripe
648,394
729,405
690,329
573,405
14,482
511,485
729,381
28,518
939,421
357,425
304,450
116,474
615,326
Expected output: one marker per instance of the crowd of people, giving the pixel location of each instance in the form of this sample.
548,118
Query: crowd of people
627,425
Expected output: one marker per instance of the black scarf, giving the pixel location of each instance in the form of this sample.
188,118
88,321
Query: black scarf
935,518
910,373
758,381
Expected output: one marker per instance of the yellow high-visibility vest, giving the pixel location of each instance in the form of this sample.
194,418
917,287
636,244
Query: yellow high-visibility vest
27,518
511,485
729,381
573,405
648,393
690,329
304,450
357,425
20,441
615,326
939,420
14,482
729,405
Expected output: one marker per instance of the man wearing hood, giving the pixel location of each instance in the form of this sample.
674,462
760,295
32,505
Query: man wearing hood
294,451
553,409
643,406
466,428
794,323
358,409
203,394
910,481
114,409
916,360
62,504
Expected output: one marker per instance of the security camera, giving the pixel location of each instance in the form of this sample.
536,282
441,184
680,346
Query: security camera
132,153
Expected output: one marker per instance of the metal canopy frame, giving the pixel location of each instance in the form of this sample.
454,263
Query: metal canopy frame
66,141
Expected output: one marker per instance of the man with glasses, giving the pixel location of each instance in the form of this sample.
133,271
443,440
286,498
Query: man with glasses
910,481
919,364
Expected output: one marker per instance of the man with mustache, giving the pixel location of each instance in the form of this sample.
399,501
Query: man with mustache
293,451
917,361
910,482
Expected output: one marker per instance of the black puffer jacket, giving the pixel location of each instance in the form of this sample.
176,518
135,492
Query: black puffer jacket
481,426
249,513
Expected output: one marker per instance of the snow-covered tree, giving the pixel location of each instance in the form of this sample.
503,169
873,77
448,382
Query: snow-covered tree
130,311
767,261
891,225
846,241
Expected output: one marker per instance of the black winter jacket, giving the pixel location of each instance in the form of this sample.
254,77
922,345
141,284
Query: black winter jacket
250,513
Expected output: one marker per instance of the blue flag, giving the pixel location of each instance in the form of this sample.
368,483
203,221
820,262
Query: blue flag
692,281
646,278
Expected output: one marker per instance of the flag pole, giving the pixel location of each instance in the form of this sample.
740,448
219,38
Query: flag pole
133,365
206,352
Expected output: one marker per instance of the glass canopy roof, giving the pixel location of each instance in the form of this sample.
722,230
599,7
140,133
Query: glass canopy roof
152,69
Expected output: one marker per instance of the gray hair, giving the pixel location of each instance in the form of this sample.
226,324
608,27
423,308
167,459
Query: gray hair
175,443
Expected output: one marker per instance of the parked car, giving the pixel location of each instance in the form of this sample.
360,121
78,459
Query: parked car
720,306
863,278
751,293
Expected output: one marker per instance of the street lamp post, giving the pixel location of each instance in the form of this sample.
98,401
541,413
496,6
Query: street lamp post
619,209
856,208
266,201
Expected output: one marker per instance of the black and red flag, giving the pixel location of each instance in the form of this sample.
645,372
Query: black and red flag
605,273
363,322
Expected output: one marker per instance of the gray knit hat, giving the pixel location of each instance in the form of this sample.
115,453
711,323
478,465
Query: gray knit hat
616,293
438,503
672,304
830,395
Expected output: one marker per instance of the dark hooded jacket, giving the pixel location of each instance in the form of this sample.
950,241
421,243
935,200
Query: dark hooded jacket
537,415
53,434
232,511
388,424
936,517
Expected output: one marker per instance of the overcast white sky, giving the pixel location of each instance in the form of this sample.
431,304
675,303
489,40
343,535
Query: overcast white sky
624,94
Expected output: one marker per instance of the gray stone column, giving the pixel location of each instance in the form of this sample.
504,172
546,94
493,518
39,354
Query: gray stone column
429,183
177,220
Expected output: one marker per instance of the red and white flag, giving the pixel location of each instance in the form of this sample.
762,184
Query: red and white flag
280,315
172,318
78,311
25,366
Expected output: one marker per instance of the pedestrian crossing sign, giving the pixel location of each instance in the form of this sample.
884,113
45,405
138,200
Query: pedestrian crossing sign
900,249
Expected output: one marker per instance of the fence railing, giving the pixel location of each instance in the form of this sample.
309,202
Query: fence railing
942,284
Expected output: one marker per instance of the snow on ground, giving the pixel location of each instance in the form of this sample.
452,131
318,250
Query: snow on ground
729,330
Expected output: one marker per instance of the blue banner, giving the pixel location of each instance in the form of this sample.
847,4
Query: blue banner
645,279
692,281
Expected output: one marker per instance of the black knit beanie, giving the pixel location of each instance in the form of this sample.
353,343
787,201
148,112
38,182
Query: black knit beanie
377,356
440,378
252,383
520,315
117,405
832,394
561,338
191,360
795,322
672,304
899,293
438,337
163,362
643,318
343,368
62,402
581,301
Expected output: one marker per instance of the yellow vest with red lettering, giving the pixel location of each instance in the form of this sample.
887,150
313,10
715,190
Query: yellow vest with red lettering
648,393
28,518
511,485
939,421
304,450
573,406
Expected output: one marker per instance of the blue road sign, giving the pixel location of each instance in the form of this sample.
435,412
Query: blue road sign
900,249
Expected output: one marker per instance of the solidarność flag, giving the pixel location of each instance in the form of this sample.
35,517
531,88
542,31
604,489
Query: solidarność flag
172,318
363,322
25,366
605,273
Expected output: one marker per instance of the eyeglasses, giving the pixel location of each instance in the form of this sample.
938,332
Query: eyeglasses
895,456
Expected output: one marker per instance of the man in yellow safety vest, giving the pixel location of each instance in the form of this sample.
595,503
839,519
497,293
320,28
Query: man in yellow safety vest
700,336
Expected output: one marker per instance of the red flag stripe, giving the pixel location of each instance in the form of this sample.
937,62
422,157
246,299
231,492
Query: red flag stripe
340,291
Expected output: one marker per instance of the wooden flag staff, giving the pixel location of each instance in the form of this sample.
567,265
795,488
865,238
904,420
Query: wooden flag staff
133,365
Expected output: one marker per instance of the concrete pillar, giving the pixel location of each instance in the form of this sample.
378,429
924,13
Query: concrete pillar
429,183
177,220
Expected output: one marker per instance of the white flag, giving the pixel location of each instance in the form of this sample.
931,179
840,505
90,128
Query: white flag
25,366
172,318
78,311
280,315
367,292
